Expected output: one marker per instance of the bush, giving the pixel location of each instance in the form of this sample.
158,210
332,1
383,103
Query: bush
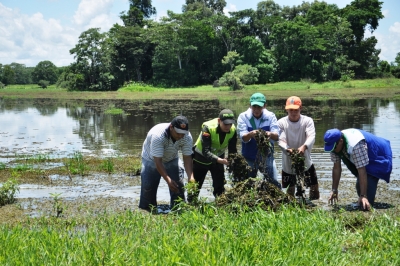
8,191
43,84
242,74
229,79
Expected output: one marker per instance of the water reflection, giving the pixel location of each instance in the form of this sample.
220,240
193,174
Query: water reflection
30,126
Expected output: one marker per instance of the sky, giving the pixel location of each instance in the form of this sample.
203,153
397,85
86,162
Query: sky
32,31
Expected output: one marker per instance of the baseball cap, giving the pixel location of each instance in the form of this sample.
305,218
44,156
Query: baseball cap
293,102
331,137
258,99
180,124
227,116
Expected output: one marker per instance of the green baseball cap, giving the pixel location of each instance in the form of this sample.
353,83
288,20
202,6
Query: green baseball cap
258,99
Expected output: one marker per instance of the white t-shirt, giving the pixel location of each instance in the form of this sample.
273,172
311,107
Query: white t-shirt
293,135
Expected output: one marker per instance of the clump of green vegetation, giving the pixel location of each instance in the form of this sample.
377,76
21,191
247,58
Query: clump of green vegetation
58,206
76,164
8,191
108,165
114,111
139,86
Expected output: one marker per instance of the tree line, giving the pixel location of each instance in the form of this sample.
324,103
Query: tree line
315,41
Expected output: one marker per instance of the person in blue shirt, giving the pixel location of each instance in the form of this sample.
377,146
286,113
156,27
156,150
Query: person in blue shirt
367,156
249,122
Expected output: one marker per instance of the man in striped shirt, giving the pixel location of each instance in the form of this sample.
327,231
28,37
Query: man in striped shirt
160,159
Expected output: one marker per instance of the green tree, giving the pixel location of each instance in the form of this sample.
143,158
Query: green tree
22,73
8,77
181,49
92,67
139,10
395,70
397,59
45,70
363,14
268,13
207,7
131,48
254,53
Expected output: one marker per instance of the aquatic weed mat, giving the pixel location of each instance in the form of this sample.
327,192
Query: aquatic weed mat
254,193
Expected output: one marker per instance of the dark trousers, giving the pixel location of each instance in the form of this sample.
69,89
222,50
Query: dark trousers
217,174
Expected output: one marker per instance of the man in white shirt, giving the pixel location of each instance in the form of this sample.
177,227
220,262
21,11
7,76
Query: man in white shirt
297,131
160,159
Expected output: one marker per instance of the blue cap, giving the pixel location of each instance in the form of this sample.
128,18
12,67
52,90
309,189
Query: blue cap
331,137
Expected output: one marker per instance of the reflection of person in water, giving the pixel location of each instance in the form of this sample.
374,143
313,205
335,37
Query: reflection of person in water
160,159
367,156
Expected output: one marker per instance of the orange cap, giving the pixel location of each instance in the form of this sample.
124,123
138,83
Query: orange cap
293,102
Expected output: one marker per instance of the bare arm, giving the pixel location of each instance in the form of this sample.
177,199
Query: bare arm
336,174
161,169
188,163
363,181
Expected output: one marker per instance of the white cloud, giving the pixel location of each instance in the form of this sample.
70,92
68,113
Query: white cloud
386,13
388,43
395,28
229,8
29,39
91,9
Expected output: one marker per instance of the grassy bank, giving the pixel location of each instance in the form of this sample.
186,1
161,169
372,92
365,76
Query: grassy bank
210,237
355,89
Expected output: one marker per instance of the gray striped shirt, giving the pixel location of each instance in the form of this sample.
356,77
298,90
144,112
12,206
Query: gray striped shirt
158,143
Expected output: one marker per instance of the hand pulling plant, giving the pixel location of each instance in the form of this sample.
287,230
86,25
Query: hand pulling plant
298,168
237,167
265,149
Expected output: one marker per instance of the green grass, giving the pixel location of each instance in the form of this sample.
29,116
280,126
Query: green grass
211,237
353,89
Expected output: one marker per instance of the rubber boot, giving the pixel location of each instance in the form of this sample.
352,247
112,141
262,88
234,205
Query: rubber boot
314,192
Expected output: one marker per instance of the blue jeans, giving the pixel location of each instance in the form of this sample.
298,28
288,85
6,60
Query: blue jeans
269,172
371,188
151,180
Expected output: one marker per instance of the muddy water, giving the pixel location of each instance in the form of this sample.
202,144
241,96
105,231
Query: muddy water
58,129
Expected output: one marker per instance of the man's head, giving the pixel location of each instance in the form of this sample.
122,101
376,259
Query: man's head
226,118
180,125
331,138
257,99
293,107
293,102
257,104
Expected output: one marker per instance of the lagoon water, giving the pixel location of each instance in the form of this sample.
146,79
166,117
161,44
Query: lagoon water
31,126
